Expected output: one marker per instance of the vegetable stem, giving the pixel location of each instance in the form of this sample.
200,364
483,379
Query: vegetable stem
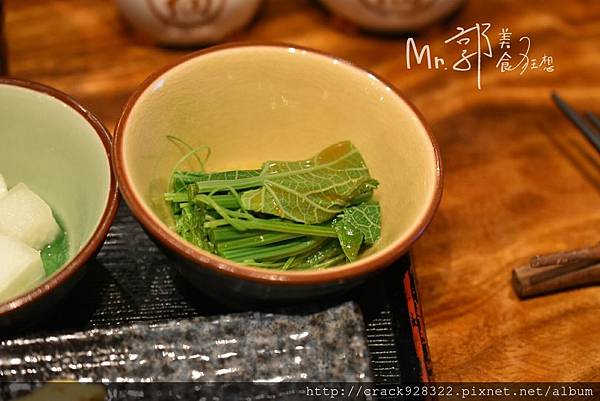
254,241
279,251
279,226
220,185
228,233
227,201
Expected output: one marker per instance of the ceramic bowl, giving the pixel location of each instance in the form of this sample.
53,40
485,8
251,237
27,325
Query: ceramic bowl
393,15
61,151
188,22
254,102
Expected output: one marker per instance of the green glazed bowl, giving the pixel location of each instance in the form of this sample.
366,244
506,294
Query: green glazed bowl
61,151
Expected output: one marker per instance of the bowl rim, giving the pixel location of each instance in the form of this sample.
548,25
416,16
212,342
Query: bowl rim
110,210
203,259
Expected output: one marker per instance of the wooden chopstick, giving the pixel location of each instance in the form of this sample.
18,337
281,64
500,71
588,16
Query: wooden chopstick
530,281
594,119
568,269
558,271
579,121
589,254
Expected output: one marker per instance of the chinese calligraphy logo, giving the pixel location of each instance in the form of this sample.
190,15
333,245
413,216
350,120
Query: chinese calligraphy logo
476,47
505,62
186,13
483,47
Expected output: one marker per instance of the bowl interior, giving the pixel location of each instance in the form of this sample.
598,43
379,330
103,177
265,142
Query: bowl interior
255,103
55,151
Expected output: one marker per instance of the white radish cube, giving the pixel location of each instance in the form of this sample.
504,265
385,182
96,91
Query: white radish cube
27,218
3,188
21,268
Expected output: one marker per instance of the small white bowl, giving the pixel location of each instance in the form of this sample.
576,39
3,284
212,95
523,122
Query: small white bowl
188,22
393,15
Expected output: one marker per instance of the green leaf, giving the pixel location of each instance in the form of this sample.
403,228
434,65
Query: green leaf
366,217
313,190
356,225
350,237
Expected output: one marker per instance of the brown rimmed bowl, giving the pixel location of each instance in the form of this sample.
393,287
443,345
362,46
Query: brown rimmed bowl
62,152
255,102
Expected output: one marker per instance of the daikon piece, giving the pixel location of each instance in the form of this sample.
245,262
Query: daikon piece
26,217
21,268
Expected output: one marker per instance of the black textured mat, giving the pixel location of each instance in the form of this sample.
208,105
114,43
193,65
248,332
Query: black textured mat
132,281
327,346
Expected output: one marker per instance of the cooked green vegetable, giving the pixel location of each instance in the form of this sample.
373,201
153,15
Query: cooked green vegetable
55,254
306,214
357,225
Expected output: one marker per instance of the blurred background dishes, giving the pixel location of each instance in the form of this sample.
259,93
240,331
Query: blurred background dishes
393,15
188,22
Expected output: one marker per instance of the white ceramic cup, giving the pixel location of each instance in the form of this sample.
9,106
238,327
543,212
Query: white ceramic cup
393,15
188,22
